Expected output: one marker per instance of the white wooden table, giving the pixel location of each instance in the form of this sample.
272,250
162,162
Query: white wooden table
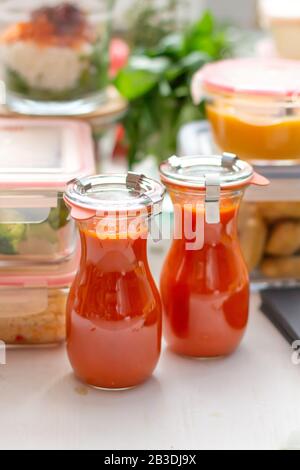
247,401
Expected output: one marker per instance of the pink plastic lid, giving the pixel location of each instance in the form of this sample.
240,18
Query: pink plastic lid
260,77
56,276
44,154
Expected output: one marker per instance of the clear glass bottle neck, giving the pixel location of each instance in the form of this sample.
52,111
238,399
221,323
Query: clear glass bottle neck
124,244
190,216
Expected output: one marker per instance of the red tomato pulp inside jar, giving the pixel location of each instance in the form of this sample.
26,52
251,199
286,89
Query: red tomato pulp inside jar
204,282
114,308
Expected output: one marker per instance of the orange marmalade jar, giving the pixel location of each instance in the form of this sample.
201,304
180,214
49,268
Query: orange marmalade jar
114,308
253,106
204,282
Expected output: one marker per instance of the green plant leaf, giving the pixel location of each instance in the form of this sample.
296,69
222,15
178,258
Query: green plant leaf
140,76
194,60
205,26
157,84
171,46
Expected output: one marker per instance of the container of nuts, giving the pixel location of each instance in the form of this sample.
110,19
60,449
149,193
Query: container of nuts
269,227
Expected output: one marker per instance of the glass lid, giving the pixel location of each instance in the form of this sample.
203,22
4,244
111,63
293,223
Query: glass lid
195,171
115,193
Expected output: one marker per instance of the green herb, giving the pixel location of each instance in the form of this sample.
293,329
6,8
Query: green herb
11,235
148,23
59,216
156,82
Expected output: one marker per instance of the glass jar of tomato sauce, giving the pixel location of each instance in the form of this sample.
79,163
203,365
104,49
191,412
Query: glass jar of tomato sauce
253,106
114,312
204,282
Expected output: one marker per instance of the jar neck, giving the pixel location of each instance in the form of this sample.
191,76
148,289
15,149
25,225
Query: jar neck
112,250
190,217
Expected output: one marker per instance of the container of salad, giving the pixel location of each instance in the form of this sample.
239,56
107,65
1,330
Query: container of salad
37,159
56,57
33,304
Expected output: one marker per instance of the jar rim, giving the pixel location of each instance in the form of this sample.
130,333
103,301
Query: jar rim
195,171
115,193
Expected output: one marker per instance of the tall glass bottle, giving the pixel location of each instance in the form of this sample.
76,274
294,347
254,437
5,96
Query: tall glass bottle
114,308
204,282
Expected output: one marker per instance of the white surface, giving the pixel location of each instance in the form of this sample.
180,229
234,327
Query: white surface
247,401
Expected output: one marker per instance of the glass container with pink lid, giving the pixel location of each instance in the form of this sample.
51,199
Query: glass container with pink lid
33,303
253,106
37,159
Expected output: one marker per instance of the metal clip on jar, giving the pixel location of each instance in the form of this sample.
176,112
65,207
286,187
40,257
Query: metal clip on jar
204,282
114,308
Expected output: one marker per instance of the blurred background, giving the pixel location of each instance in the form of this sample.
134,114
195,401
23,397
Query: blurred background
241,11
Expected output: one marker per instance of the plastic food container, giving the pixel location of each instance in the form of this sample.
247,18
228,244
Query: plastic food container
253,106
269,221
56,56
282,18
33,306
37,159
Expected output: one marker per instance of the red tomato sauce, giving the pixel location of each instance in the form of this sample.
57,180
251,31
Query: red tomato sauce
205,292
114,314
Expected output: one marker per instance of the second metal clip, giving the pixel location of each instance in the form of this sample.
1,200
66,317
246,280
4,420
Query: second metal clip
212,199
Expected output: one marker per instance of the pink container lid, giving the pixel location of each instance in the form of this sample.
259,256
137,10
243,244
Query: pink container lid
278,78
44,154
56,276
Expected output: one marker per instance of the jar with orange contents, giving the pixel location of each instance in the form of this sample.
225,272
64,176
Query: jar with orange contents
253,106
204,282
114,308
